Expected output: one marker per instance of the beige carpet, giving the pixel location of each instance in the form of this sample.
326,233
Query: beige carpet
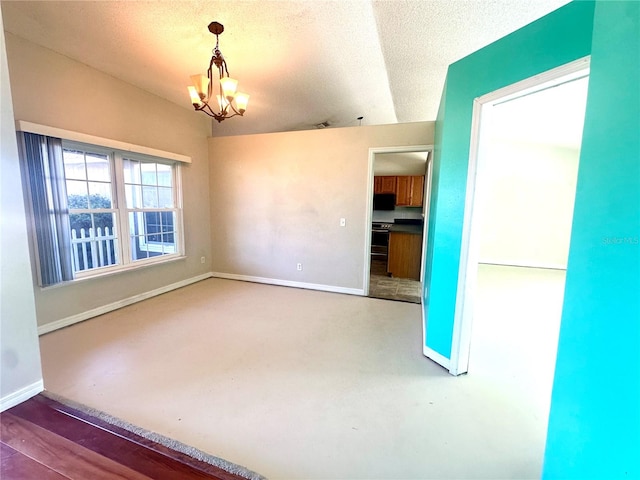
294,384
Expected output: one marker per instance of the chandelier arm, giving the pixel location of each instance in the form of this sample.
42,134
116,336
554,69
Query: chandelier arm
218,116
236,112
203,110
231,116
206,108
212,112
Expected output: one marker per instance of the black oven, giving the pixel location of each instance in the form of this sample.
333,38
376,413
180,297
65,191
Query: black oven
380,241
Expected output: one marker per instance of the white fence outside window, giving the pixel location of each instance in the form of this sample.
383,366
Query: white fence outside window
93,248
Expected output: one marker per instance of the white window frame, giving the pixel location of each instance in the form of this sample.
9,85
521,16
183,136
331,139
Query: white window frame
92,149
177,208
119,205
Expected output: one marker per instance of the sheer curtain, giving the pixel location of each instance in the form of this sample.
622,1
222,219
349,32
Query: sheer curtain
43,165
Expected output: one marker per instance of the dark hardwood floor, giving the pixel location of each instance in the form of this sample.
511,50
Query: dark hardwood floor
43,439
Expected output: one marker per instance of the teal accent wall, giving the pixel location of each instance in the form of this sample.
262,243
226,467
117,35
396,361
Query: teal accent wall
594,423
556,39
433,202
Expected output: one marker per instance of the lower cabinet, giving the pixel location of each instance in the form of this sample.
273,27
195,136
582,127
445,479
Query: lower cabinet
404,255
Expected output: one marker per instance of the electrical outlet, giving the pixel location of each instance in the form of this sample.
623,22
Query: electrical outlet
299,267
202,259
343,222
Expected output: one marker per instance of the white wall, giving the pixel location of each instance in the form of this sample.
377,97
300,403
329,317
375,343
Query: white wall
20,374
277,200
526,203
54,90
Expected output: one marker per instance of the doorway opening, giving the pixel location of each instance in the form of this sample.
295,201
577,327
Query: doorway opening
522,179
398,194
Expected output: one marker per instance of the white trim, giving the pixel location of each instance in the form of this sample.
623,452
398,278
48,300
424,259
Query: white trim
80,317
426,205
368,217
289,283
500,263
424,322
462,320
108,271
25,393
436,357
570,71
469,255
23,126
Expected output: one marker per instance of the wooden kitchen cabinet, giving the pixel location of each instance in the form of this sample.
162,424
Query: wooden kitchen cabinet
403,191
404,255
409,191
417,191
384,184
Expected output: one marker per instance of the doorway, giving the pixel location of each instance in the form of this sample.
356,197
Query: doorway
523,173
388,218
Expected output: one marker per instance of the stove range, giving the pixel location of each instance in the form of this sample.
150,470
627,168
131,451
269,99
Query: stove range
381,226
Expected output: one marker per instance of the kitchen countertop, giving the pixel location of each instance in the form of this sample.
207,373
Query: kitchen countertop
411,229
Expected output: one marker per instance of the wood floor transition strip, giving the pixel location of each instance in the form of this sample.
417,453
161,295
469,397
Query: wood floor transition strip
42,438
117,447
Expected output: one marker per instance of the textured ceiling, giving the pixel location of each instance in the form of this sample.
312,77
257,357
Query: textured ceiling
302,62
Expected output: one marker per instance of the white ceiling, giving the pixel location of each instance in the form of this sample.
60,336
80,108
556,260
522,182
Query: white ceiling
303,62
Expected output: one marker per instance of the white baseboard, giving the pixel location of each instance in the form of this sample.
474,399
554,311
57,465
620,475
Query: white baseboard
289,283
65,322
436,357
21,395
543,266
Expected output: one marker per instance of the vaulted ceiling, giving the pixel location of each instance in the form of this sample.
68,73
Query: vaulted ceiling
304,62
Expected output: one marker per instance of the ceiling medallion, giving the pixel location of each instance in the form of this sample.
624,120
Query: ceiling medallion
227,102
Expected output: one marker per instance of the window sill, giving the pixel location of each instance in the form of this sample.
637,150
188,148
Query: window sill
115,271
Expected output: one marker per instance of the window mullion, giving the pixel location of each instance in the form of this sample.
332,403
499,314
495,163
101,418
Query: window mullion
177,208
123,220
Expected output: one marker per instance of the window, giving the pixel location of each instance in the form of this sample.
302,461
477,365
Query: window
92,216
151,208
97,210
123,208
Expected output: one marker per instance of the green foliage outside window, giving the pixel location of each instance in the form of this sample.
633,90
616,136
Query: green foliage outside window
83,220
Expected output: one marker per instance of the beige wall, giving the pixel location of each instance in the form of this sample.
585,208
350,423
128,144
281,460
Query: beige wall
21,374
277,200
53,90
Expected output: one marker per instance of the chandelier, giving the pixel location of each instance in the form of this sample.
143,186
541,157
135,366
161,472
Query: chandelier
227,102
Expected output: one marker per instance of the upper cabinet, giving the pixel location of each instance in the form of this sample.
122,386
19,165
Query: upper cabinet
413,191
384,185
409,190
